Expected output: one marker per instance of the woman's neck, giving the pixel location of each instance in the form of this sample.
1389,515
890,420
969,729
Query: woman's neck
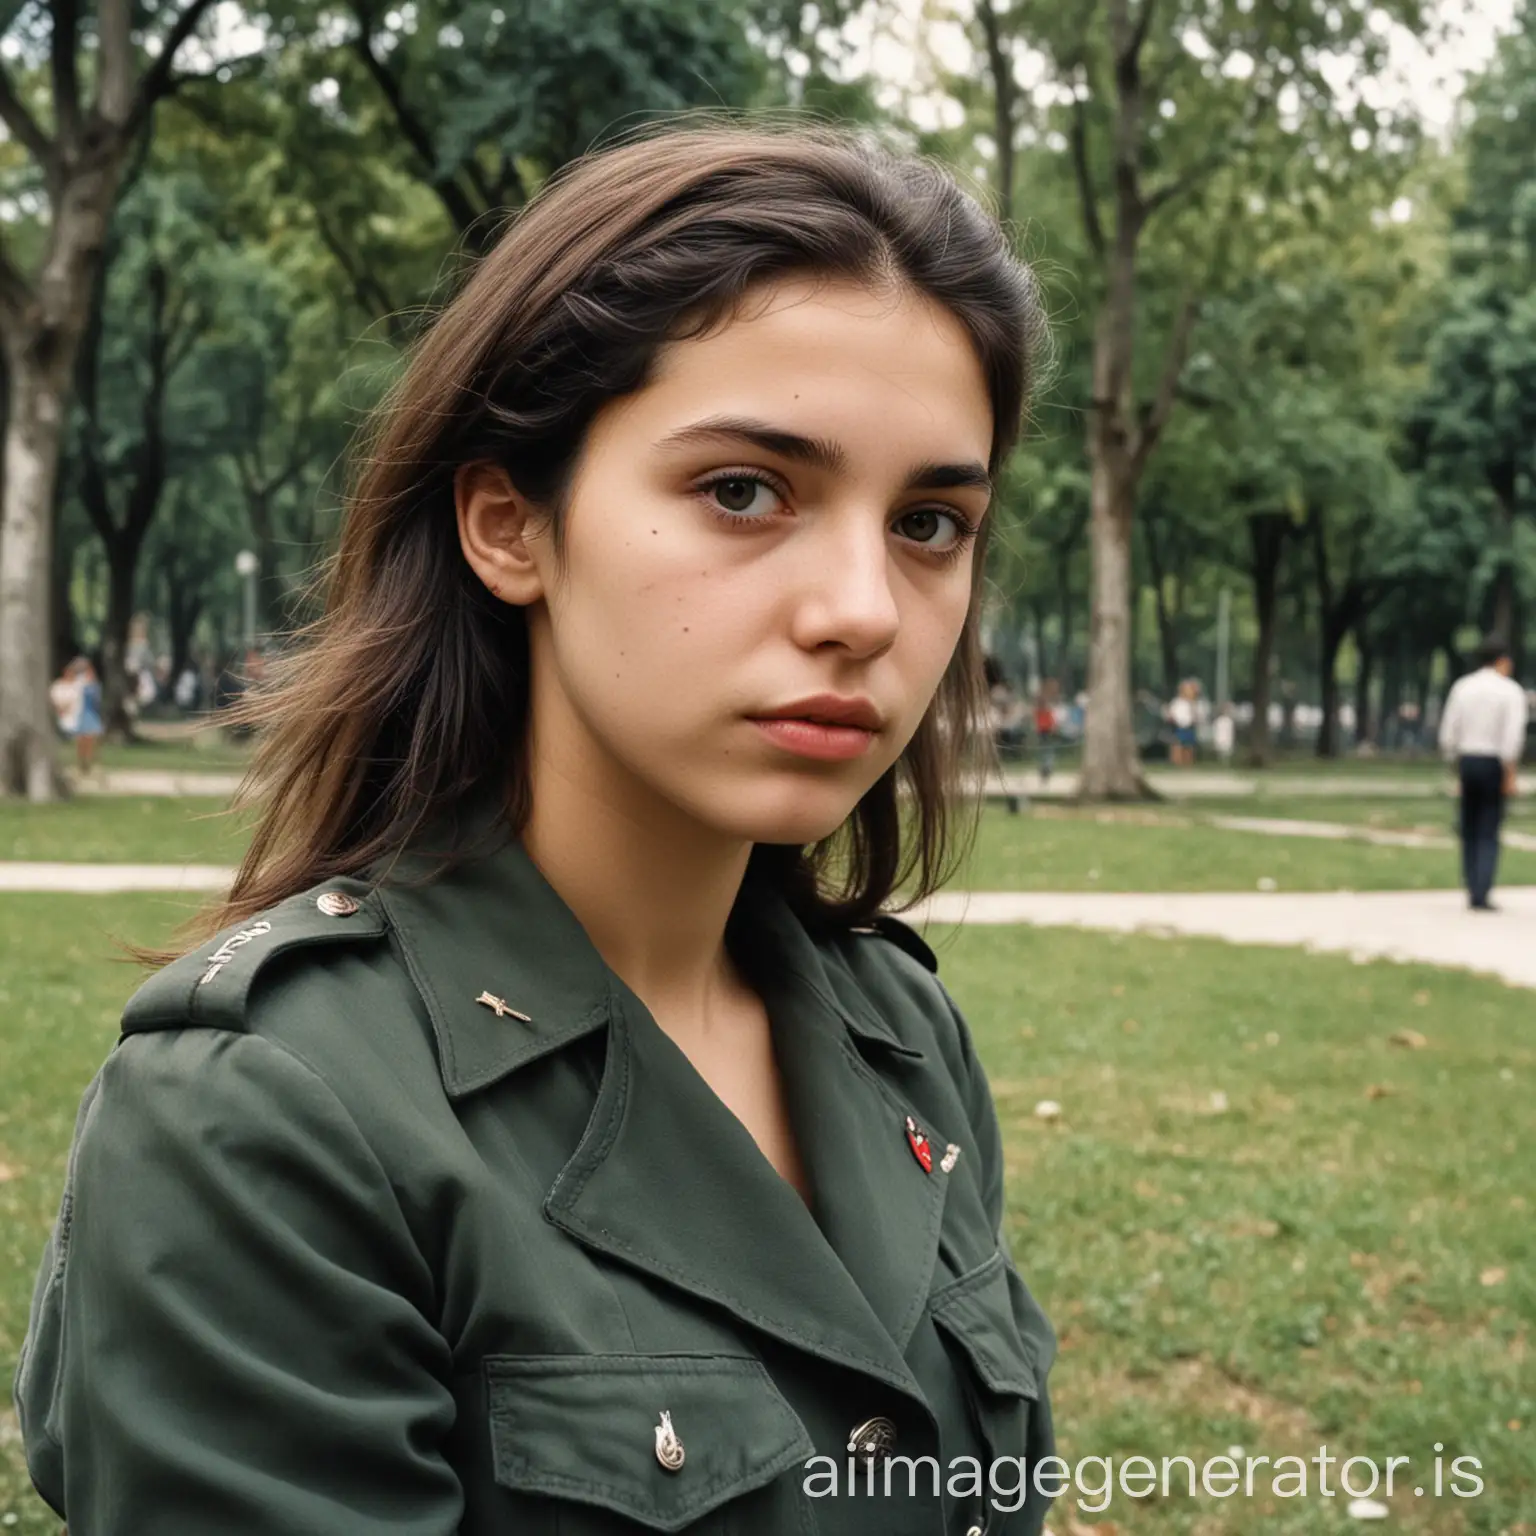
652,887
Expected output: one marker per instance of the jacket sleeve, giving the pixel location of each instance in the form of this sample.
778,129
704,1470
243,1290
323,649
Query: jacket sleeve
231,1327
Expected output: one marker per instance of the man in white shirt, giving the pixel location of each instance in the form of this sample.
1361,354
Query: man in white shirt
1483,731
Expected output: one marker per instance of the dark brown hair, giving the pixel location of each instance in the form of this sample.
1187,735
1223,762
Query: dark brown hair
410,692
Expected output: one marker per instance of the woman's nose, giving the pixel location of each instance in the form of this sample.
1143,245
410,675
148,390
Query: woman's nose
846,596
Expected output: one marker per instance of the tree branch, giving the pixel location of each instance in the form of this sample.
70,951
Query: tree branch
25,128
1086,193
1177,186
415,131
1161,408
62,63
15,291
1000,65
1142,26
368,292
158,80
114,71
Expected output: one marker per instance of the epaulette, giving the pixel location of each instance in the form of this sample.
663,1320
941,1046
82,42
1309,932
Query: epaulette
887,927
208,987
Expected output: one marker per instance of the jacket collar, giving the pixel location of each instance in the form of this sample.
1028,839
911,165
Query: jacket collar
493,926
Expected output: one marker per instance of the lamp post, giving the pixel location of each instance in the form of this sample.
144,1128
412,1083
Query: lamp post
246,565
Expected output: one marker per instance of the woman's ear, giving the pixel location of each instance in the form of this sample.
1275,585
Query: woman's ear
499,532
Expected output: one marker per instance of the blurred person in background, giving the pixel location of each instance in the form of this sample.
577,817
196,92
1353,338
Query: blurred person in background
1181,716
1045,728
1483,733
64,699
87,720
1224,734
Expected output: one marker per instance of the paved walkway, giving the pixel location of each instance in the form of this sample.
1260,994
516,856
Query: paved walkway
1430,926
110,879
1191,784
1275,826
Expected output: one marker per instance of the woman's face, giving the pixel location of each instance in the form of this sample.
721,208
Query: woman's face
785,511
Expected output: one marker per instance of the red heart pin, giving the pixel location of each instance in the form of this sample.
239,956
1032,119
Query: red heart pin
921,1150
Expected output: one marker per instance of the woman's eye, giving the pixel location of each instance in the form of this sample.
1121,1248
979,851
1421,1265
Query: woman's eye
931,528
742,496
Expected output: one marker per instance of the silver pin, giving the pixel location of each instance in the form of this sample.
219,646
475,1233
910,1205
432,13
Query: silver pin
669,1449
336,903
502,1007
950,1158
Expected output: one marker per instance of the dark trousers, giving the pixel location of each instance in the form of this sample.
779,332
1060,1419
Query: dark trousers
1482,809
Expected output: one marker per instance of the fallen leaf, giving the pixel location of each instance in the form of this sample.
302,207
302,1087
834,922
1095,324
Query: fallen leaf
1410,1038
1494,1275
1379,1091
1367,1509
7,1173
1047,1109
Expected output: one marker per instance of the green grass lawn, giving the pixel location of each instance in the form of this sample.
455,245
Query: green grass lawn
1056,848
1309,1266
208,750
1052,847
1312,1265
124,829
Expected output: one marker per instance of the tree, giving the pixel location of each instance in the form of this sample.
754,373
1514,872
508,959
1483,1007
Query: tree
1473,431
78,160
1178,122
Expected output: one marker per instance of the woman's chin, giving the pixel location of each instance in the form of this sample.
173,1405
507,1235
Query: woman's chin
808,817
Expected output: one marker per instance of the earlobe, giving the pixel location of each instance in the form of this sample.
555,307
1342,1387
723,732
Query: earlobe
497,525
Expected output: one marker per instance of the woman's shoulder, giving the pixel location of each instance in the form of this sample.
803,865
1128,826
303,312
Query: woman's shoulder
314,976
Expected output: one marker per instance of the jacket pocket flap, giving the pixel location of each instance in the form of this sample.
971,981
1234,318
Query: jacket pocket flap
977,1311
584,1427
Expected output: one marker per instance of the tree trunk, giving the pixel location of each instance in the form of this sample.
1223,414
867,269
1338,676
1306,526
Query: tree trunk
1266,533
1364,730
65,644
42,317
1064,613
122,563
1167,636
1328,688
1110,770
32,436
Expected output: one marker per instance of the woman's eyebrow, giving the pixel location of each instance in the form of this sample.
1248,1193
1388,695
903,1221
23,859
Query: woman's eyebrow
821,452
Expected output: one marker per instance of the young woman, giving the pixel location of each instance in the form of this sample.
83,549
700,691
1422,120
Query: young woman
550,1133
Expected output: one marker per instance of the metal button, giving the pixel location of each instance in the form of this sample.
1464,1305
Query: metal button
336,904
669,1449
874,1437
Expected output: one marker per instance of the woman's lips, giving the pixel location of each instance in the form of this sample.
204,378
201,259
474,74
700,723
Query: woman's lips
810,738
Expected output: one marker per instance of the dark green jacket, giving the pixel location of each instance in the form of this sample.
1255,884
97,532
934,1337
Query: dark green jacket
344,1249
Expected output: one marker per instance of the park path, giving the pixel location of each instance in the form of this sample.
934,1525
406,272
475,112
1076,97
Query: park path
1433,927
1191,784
1430,926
